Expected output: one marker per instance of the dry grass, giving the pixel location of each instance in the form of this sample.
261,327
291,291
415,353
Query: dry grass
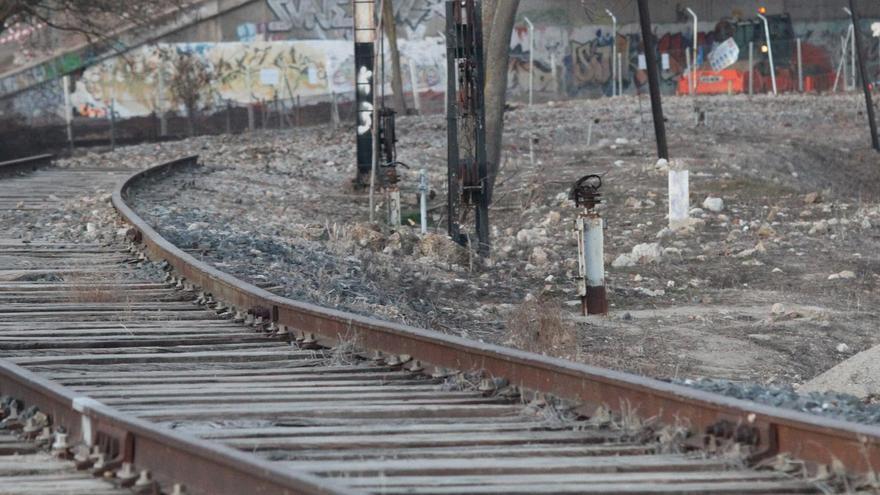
83,289
539,326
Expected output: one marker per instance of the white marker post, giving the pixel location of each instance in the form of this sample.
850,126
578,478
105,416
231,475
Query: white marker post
679,196
696,47
531,60
68,114
769,52
619,74
614,63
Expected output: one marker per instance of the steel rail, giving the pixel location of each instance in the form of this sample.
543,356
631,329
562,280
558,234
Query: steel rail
25,164
814,439
172,457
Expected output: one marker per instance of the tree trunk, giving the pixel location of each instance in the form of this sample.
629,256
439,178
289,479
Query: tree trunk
496,62
396,79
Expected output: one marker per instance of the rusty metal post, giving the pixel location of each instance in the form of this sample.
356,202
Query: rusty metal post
364,39
591,246
653,79
866,86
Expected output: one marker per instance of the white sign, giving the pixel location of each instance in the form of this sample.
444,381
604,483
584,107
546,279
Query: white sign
269,77
643,63
876,28
313,74
664,58
724,55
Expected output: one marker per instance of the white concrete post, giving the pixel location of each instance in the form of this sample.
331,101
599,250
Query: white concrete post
423,200
841,67
852,42
800,62
414,82
614,63
531,60
769,52
68,114
553,73
696,47
589,132
679,197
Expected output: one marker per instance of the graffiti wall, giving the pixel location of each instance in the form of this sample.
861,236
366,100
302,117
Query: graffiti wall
242,74
578,61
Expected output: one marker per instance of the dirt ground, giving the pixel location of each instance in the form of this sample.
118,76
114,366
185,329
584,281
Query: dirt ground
778,286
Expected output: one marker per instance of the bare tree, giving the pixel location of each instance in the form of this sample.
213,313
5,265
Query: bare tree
95,20
390,25
190,85
498,20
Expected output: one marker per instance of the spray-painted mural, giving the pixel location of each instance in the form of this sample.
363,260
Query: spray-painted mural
243,73
569,61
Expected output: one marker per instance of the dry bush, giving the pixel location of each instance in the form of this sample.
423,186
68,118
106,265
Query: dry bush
539,326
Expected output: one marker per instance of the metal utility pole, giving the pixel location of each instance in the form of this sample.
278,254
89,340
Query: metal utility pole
364,40
466,124
653,79
857,40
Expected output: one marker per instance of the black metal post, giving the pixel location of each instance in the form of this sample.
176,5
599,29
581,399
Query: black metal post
364,66
653,79
452,201
869,101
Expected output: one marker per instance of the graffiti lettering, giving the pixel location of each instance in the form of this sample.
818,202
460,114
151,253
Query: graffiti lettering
309,15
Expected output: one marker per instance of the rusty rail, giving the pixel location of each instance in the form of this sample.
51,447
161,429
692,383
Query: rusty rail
772,430
25,164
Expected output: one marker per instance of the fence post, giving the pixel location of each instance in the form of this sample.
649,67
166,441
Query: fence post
800,62
250,104
751,68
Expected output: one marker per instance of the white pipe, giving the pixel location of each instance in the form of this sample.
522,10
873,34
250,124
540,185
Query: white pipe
414,82
800,62
589,132
696,47
531,60
769,52
614,63
423,200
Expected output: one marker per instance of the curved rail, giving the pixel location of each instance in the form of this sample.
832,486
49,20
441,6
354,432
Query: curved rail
770,430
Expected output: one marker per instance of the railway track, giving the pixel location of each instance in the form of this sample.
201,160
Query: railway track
171,375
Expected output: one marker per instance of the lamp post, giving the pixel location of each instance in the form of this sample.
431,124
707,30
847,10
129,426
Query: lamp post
769,51
614,68
696,42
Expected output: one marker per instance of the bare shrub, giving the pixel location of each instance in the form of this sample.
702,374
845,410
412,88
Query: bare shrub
539,326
